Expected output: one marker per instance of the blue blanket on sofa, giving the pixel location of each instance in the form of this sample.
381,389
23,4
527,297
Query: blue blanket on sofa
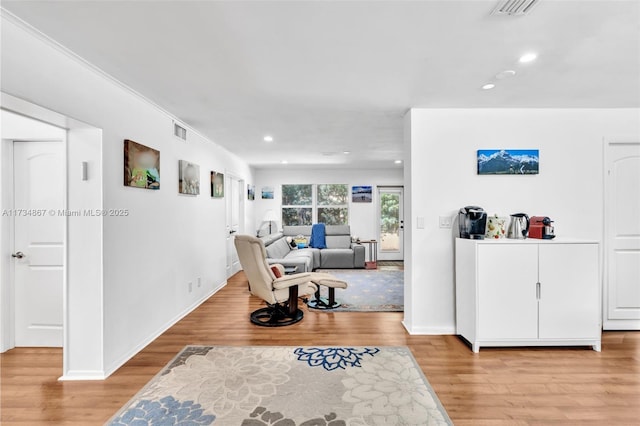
318,236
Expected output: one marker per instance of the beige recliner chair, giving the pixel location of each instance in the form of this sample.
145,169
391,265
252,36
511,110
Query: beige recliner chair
280,293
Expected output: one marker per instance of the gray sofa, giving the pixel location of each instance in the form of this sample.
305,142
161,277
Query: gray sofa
340,253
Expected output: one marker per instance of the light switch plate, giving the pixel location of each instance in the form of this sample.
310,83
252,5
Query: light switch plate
420,222
445,222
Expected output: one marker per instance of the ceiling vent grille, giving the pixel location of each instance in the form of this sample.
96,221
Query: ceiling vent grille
514,7
179,131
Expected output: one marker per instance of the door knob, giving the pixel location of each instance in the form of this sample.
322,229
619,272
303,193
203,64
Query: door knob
18,255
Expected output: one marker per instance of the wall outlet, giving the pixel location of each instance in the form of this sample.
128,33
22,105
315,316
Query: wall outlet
199,282
445,222
190,285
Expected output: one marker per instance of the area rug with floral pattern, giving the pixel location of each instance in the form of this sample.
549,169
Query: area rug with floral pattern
287,386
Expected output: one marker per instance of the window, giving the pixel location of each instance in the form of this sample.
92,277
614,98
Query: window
336,196
308,204
297,195
297,204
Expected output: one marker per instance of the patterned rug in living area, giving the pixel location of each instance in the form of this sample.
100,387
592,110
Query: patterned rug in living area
369,290
287,386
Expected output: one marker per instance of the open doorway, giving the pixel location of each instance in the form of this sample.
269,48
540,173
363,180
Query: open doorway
33,232
66,250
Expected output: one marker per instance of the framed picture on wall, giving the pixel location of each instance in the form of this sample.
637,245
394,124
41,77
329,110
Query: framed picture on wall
141,166
508,161
362,194
251,192
188,178
217,185
267,193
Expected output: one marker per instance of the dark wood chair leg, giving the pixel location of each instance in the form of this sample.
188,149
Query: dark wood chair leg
332,296
293,300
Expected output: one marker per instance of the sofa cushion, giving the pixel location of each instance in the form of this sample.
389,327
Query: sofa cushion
338,230
301,257
293,231
269,239
311,253
339,241
278,249
336,258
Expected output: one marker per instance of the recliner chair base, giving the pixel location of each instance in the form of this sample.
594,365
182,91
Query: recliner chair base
277,315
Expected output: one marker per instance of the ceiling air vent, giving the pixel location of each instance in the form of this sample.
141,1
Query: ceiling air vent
179,131
514,7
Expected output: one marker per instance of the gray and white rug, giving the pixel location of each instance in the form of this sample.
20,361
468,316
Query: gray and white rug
369,290
287,386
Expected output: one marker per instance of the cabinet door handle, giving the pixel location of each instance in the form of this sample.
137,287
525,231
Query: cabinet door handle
538,291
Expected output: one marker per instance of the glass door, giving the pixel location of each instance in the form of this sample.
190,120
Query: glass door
391,223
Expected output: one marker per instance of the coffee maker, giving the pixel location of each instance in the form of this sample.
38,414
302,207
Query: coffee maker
541,228
472,222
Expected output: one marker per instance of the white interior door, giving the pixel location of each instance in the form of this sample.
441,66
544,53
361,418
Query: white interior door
391,224
622,236
38,169
234,201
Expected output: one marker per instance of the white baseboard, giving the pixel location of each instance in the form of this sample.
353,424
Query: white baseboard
428,330
83,375
621,325
120,362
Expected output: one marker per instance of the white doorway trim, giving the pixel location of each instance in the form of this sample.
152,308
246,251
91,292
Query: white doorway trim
7,293
83,318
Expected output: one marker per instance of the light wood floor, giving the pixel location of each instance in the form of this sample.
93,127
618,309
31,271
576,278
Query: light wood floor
495,387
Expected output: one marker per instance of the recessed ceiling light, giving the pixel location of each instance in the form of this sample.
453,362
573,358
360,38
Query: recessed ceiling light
268,138
505,74
528,57
346,152
398,161
488,86
284,162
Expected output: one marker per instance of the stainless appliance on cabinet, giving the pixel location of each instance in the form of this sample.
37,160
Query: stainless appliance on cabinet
472,222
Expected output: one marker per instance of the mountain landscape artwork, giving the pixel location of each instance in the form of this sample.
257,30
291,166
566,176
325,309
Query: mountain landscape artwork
508,161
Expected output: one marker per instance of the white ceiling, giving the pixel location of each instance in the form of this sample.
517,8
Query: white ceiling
323,77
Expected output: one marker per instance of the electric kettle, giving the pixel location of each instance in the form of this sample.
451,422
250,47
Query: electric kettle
518,226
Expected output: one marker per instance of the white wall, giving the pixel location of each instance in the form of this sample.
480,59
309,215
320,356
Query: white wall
442,178
84,257
13,127
168,239
362,215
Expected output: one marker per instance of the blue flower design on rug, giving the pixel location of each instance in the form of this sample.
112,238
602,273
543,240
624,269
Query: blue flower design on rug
334,358
166,412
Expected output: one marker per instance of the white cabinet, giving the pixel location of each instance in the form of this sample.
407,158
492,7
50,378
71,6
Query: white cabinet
528,293
507,304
